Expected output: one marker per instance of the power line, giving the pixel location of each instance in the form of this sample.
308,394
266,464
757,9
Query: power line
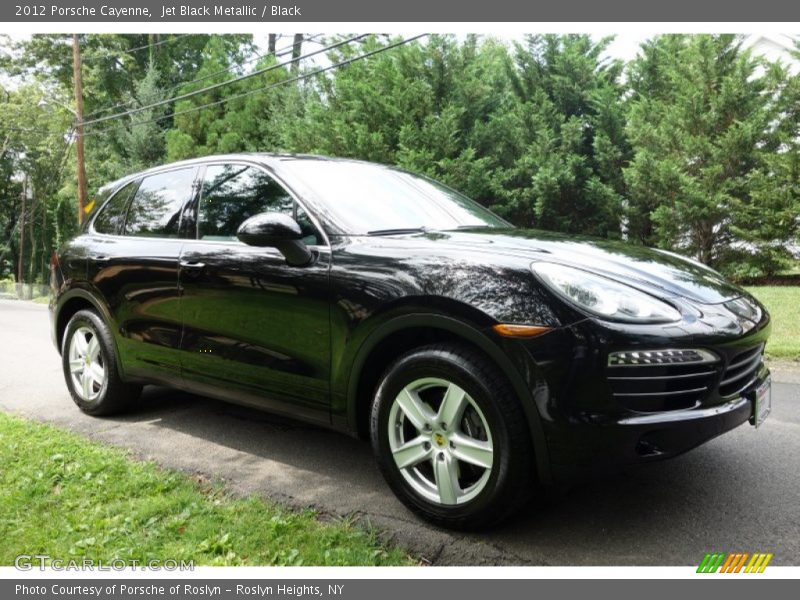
119,52
278,53
283,51
158,43
265,88
221,84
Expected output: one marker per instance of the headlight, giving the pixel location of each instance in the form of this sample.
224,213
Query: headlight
604,297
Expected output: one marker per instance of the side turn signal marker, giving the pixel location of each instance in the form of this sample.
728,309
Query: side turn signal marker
520,331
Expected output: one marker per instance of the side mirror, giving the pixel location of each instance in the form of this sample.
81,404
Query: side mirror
276,230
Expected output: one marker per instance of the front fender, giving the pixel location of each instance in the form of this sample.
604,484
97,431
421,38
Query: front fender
475,335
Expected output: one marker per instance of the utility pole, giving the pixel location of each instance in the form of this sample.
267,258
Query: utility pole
76,75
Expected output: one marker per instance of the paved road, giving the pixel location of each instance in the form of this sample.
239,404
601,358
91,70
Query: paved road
740,492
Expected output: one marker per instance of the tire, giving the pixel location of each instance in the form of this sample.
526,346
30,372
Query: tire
434,455
88,349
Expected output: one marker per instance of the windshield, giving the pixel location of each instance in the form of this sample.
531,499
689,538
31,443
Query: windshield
372,199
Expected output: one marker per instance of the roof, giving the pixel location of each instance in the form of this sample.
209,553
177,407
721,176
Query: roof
267,158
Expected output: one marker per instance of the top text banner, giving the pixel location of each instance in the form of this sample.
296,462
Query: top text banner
439,11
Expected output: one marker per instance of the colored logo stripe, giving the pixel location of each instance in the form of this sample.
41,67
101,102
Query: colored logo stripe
711,562
734,562
758,563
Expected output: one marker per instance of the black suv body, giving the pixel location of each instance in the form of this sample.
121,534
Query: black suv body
480,359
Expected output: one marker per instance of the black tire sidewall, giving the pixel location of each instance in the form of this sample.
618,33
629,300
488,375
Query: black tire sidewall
455,368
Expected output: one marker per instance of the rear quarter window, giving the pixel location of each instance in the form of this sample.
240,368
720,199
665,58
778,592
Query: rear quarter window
156,208
112,216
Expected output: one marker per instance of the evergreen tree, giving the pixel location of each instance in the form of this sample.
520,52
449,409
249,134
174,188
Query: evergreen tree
706,119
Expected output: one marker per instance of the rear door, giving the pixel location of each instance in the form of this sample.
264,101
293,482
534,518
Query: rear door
255,328
133,265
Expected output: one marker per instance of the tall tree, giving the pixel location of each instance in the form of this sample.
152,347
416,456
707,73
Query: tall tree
143,137
704,122
34,127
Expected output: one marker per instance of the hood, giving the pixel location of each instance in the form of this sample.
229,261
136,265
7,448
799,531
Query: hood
656,271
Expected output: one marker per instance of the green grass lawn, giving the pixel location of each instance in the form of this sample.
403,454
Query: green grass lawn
70,498
783,303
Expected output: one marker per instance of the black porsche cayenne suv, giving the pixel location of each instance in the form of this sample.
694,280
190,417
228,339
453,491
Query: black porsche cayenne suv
481,360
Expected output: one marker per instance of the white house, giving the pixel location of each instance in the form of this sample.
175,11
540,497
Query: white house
776,47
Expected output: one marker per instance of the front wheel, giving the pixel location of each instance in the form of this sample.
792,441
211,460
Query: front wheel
450,437
90,367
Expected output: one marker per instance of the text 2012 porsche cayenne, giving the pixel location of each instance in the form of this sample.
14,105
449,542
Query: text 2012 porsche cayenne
481,360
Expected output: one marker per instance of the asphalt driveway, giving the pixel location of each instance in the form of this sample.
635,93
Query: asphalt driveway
740,492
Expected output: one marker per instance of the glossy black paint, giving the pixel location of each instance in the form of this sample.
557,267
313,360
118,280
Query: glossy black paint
279,231
237,322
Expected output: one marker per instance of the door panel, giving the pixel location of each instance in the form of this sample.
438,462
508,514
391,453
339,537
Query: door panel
137,272
253,326
139,281
256,324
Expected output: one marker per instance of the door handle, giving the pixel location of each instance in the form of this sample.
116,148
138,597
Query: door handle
190,264
100,258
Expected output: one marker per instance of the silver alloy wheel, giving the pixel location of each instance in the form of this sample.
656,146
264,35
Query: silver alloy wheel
86,365
445,454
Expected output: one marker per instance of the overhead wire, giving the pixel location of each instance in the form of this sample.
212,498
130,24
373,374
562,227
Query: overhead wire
117,53
264,88
278,54
227,82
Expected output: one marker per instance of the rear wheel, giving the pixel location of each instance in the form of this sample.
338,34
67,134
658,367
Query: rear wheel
90,367
450,437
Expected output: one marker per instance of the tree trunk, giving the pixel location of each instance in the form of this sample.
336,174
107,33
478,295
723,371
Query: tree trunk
271,44
153,42
32,261
44,260
297,51
21,265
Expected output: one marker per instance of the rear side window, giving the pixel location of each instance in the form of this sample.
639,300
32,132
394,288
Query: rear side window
112,217
156,207
233,193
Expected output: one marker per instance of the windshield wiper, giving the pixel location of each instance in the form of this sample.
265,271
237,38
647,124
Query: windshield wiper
398,231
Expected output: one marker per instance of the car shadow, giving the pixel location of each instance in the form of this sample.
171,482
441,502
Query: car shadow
684,505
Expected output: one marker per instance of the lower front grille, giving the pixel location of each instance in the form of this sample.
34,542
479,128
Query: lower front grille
666,380
741,371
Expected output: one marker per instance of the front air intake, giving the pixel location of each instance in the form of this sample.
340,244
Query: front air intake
662,380
741,371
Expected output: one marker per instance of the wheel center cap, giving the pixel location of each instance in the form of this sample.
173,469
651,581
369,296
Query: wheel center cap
439,439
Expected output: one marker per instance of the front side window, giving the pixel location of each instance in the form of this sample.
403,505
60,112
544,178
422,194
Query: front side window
156,207
231,194
111,218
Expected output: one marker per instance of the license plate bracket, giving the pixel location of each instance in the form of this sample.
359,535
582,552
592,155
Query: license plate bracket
762,402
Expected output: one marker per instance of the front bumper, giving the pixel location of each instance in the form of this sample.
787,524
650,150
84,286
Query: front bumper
603,446
593,425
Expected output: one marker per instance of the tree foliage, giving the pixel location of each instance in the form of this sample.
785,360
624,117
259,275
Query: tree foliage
712,172
691,146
